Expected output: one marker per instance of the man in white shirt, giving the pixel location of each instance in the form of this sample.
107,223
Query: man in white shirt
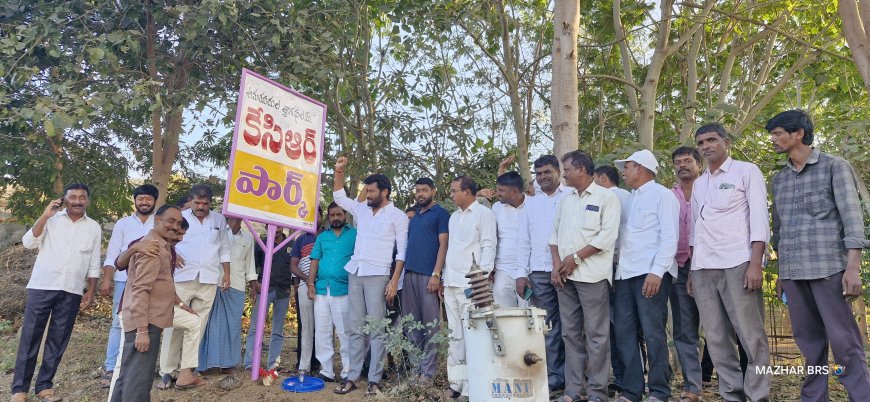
380,227
126,230
473,236
206,252
221,344
510,189
727,243
534,262
584,233
608,177
69,253
643,278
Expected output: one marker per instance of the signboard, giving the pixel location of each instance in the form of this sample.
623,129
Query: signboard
276,156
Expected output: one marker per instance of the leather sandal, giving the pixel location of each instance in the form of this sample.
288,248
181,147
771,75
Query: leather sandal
48,395
689,397
344,388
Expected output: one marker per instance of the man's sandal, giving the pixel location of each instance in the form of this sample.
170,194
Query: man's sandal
347,386
689,397
48,395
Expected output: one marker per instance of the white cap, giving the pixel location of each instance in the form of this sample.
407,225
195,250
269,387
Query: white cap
643,157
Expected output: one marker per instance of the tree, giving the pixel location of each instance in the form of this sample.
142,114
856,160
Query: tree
856,20
564,91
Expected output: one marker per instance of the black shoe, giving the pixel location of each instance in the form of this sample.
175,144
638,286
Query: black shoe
613,390
324,378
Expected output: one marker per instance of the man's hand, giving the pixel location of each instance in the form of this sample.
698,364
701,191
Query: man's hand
148,247
53,207
555,278
189,309
568,266
225,283
142,342
522,283
651,285
340,163
312,293
179,261
87,300
391,291
752,280
503,165
689,289
255,287
107,282
851,283
485,193
434,284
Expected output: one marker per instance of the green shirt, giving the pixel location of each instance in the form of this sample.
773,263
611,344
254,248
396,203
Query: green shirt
333,252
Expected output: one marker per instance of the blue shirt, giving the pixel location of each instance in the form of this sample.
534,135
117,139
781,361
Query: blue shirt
423,231
333,252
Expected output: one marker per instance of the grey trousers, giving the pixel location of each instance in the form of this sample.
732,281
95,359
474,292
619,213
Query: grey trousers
584,310
545,296
425,307
819,316
686,340
728,312
137,368
366,298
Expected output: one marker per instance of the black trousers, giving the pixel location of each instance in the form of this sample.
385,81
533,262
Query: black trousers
62,307
137,368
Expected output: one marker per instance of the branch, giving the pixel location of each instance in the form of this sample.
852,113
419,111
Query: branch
480,45
612,78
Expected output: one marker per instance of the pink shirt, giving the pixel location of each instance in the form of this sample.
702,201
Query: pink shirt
685,218
729,210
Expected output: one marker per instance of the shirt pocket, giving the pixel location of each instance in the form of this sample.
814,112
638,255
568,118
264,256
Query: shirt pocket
819,203
214,235
723,198
642,219
591,220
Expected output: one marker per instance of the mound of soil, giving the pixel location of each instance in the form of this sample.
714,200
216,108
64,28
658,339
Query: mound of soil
16,263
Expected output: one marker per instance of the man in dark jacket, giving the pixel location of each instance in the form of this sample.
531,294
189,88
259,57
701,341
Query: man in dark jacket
280,282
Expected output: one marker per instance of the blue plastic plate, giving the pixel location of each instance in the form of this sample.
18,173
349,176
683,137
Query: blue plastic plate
308,384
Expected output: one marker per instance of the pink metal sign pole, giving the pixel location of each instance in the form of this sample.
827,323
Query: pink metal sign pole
269,248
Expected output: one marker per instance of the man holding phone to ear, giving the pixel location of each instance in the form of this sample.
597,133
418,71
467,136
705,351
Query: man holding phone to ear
69,252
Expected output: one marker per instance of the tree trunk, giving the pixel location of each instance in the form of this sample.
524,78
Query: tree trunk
564,98
856,21
57,150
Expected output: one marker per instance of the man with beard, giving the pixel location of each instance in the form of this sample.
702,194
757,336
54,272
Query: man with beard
427,248
327,287
206,251
731,229
381,227
147,309
69,254
511,201
221,344
125,231
819,236
534,262
585,228
687,166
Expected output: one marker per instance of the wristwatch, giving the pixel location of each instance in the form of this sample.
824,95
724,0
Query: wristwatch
577,258
437,275
181,305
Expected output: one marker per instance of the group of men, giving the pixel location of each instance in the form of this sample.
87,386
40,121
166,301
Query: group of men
604,263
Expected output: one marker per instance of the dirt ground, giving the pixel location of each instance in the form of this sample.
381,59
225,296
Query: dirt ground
78,376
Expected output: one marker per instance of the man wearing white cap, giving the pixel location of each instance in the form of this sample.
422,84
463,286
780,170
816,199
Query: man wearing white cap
643,278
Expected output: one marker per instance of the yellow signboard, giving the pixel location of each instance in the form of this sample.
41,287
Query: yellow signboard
276,157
